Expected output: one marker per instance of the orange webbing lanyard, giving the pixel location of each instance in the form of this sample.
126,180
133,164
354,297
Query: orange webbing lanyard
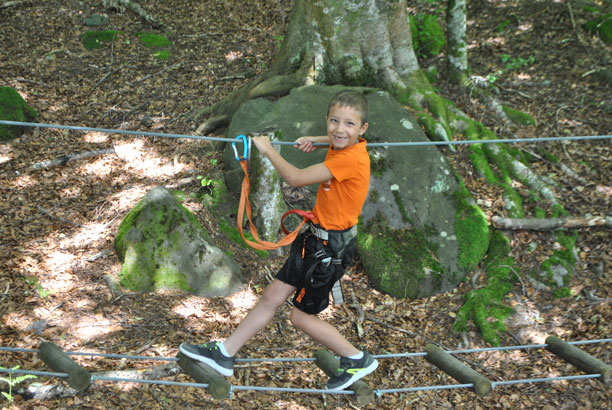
245,204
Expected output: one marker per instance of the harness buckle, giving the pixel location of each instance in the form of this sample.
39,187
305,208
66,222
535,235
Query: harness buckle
321,253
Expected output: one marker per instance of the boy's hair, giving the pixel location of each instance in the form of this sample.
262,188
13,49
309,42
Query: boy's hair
352,99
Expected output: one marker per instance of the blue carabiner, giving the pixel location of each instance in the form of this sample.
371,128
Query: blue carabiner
246,147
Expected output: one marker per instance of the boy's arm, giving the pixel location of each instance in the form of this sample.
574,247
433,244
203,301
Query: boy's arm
294,176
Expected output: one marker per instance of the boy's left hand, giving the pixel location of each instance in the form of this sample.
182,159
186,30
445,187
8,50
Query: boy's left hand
263,144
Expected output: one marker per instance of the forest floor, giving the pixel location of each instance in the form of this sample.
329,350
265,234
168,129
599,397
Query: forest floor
58,223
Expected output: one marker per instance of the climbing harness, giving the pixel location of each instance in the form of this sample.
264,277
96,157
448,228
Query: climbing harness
245,205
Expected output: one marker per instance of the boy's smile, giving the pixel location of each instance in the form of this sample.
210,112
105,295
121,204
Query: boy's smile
344,126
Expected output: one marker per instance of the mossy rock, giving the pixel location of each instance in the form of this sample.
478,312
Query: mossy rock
98,38
161,245
14,108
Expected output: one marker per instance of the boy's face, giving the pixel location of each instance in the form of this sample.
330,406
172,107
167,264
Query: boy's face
344,126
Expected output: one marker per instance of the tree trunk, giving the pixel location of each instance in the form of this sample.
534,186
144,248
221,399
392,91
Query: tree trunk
457,55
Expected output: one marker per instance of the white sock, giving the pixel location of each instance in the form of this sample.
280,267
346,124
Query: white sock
222,349
357,356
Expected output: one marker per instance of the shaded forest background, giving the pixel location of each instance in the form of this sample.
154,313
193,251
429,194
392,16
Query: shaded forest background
59,222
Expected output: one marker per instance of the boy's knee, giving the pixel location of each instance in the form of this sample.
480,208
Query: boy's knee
297,318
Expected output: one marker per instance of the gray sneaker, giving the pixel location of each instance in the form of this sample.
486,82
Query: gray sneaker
210,354
351,370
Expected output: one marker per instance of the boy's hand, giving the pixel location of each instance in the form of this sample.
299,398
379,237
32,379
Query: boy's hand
263,144
304,144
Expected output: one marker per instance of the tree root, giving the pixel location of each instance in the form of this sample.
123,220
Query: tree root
268,85
536,224
121,5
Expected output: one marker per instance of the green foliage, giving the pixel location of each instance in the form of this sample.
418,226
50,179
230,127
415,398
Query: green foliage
602,26
97,39
510,64
14,381
428,37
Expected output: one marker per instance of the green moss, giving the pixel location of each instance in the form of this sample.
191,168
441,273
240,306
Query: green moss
518,117
152,40
400,206
399,260
162,54
483,305
232,233
562,292
97,39
374,196
471,229
538,212
13,108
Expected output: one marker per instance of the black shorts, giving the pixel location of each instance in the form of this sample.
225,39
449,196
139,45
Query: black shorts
313,278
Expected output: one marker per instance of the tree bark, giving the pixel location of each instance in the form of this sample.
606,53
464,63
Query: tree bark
457,53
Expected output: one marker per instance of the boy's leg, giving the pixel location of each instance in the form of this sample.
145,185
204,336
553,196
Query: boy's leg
272,298
220,356
354,364
322,332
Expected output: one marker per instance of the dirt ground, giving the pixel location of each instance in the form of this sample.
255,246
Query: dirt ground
58,223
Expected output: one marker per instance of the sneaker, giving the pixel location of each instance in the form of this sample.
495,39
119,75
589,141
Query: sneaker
210,354
352,370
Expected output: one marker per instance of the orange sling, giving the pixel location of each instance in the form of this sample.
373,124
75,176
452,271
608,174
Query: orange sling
245,204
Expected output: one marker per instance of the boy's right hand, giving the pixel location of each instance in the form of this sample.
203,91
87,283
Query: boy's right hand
304,144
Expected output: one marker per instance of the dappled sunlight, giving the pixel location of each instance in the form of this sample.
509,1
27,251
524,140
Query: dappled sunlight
6,158
134,154
94,326
496,41
242,300
526,26
96,137
99,168
87,235
25,181
233,55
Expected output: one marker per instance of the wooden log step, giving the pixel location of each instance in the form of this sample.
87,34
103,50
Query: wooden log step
218,386
458,370
78,378
329,363
580,359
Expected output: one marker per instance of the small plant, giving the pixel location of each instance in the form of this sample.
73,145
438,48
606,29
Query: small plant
14,381
279,41
205,181
510,64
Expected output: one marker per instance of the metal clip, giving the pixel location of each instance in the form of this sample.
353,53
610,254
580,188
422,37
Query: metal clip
326,261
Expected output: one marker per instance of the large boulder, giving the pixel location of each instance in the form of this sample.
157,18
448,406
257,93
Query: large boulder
14,108
420,232
161,245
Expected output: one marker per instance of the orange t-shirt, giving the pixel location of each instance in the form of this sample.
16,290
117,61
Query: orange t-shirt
340,200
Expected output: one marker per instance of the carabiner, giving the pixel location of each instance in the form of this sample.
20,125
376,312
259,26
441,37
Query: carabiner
246,144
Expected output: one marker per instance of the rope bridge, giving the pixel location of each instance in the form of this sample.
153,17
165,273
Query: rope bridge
219,387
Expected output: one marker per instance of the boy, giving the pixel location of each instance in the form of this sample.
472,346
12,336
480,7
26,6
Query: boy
319,255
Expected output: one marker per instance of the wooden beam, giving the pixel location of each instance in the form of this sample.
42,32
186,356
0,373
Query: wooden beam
56,359
580,359
458,370
218,386
330,363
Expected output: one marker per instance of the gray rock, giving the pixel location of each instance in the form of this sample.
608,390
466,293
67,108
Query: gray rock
419,232
161,245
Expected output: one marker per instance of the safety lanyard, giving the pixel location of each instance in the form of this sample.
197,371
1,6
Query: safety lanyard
245,205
